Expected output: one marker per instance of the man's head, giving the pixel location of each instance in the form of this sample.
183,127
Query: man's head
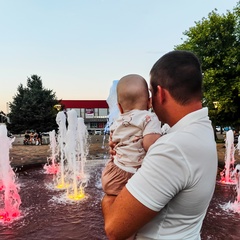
178,75
132,93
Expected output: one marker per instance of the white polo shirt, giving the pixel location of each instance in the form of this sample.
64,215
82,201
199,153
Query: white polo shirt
177,178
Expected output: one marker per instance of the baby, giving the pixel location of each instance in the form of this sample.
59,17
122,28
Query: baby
134,131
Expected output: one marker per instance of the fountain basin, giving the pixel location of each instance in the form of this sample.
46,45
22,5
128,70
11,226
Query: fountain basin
47,214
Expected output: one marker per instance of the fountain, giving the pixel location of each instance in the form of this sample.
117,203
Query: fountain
238,145
236,174
9,196
61,137
76,151
230,174
226,175
113,105
235,204
46,214
113,108
51,166
73,150
82,149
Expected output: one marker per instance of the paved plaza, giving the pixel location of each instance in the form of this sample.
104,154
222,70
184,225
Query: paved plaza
22,155
32,155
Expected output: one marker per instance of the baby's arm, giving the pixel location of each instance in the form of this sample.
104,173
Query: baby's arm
149,139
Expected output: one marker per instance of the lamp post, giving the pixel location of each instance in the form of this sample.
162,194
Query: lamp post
58,107
7,107
215,103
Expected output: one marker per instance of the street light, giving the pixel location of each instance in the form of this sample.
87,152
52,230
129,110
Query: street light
7,107
58,107
216,103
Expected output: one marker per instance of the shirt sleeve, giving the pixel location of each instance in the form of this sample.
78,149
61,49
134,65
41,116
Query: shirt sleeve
153,125
162,175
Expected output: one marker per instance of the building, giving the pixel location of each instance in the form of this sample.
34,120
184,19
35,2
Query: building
94,112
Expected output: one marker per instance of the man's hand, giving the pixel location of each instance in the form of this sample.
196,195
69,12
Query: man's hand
124,215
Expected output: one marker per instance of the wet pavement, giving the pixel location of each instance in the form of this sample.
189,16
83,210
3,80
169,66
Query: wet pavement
218,224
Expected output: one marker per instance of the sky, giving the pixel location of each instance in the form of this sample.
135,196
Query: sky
79,47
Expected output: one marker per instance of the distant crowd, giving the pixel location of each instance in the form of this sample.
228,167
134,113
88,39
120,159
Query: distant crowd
32,138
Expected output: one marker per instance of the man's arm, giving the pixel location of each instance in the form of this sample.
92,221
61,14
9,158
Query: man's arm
124,215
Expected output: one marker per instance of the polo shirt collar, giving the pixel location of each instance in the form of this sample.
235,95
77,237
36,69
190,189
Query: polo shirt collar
189,118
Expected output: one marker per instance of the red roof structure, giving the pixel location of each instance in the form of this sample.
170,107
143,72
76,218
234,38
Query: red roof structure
84,103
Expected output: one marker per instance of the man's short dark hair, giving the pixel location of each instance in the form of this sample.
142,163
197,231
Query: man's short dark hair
180,73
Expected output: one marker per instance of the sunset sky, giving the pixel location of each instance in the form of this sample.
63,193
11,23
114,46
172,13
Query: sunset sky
79,47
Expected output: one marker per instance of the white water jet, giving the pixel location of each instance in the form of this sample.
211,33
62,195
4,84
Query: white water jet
61,138
53,144
70,151
112,104
235,206
51,167
226,174
83,147
75,153
113,109
236,174
238,145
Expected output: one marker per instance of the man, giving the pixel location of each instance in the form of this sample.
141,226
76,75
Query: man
168,197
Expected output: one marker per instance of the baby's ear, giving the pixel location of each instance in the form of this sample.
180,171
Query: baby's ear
120,108
149,103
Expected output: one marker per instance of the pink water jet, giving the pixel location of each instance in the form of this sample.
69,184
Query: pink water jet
236,174
226,175
235,206
9,198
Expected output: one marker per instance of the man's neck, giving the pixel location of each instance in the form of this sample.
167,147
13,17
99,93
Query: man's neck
180,111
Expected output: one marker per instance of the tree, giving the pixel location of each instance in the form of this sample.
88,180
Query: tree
33,108
216,41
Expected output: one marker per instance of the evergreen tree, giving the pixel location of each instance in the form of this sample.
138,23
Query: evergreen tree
33,108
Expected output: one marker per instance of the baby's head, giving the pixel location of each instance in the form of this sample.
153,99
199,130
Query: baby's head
132,93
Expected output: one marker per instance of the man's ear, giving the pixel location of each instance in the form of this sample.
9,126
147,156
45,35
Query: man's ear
120,108
161,94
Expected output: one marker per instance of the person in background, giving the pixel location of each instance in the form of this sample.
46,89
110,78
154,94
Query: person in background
26,140
168,197
38,138
31,134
